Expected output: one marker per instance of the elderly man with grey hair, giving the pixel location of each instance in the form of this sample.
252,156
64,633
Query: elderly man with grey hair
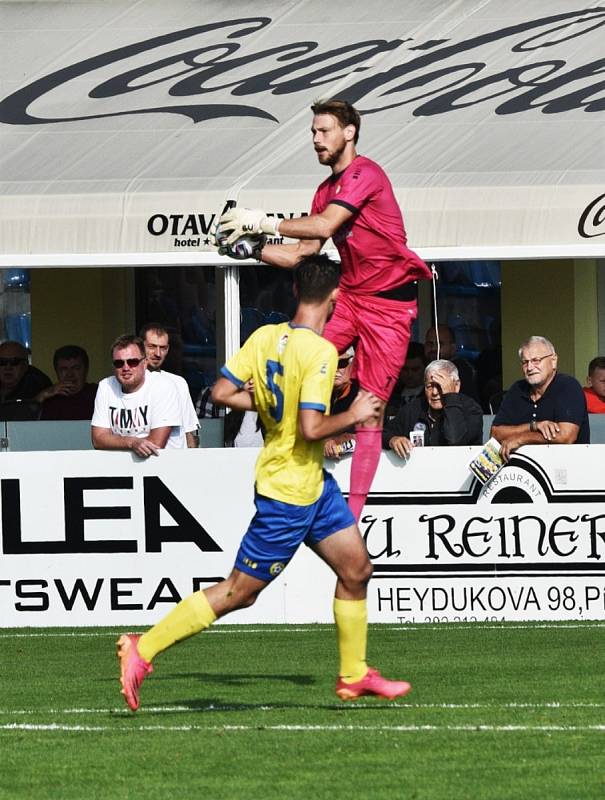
443,415
545,407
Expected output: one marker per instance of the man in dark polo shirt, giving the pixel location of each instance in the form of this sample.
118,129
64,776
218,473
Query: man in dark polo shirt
546,407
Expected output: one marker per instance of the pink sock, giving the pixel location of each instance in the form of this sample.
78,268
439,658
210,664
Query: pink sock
368,446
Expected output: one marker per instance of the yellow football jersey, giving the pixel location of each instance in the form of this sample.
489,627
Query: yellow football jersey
292,368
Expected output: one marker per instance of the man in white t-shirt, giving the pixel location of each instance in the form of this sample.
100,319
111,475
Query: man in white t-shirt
157,345
135,409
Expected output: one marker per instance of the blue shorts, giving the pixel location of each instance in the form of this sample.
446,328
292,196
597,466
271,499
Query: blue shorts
278,529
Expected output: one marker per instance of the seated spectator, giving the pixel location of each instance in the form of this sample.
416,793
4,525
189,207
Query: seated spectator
440,342
489,378
344,392
71,397
244,428
18,379
546,407
136,409
444,414
204,406
594,392
241,428
411,380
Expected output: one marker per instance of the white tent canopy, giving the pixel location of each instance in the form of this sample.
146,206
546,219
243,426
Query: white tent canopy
125,125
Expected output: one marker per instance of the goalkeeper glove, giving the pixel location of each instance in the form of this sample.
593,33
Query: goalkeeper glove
238,222
243,248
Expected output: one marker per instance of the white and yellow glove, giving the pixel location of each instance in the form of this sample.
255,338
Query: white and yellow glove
238,222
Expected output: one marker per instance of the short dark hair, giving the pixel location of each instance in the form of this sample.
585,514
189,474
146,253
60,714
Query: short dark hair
444,329
315,277
154,326
596,363
416,350
70,351
344,112
126,340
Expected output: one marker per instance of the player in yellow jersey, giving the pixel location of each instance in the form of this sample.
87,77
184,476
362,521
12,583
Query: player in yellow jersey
293,368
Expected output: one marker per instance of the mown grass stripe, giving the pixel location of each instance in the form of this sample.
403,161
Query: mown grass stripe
335,706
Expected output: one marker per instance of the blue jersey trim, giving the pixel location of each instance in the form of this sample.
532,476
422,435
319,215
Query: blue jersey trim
313,406
231,377
303,327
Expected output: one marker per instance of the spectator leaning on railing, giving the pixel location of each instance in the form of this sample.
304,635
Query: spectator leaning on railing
135,409
444,415
157,347
545,407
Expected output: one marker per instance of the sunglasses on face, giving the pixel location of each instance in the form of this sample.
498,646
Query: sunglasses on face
11,362
121,362
343,363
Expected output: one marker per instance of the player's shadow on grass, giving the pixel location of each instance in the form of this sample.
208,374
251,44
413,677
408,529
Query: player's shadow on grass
212,705
238,678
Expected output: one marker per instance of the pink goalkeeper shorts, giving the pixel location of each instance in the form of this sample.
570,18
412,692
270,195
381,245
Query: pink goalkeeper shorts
380,330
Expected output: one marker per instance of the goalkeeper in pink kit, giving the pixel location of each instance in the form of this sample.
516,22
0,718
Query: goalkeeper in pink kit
377,304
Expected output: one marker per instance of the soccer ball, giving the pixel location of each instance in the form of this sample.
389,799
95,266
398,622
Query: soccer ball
247,246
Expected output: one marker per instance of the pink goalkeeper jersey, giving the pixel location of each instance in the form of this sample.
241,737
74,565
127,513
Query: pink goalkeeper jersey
372,243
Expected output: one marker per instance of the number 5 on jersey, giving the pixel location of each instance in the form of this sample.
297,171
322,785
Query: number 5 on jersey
274,368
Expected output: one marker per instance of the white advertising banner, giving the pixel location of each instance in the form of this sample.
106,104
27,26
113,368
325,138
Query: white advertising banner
125,126
107,539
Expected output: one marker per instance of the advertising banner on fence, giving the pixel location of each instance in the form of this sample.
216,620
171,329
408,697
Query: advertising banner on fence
92,538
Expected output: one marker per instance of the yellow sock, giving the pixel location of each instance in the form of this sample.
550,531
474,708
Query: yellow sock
191,615
351,618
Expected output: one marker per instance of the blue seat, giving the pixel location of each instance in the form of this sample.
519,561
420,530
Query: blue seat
275,317
249,320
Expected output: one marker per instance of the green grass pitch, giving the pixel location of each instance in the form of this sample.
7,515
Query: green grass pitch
497,711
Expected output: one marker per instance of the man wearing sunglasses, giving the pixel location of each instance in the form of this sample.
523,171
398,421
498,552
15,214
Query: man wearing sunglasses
344,392
546,407
135,409
18,379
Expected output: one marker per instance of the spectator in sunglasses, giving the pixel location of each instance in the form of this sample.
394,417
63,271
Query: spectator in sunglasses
19,380
344,392
71,397
136,409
